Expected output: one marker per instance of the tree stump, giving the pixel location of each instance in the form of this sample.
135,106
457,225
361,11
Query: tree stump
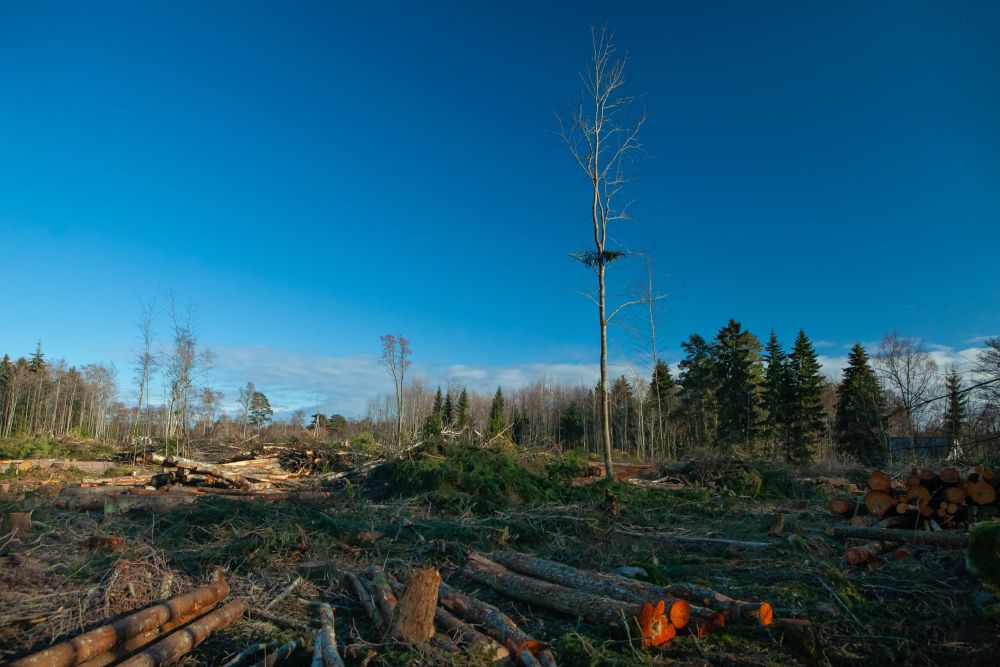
414,619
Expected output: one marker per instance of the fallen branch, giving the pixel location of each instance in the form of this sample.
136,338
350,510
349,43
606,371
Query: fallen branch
280,653
671,539
249,652
283,594
326,640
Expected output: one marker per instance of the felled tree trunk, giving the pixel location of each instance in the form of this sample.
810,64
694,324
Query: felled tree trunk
879,502
953,539
90,644
414,618
593,583
593,608
732,609
497,624
449,625
863,553
179,643
232,478
326,640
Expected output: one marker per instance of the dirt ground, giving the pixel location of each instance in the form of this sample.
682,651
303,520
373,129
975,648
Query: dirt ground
926,610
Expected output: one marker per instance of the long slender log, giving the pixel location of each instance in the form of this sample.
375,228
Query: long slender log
670,539
863,553
237,480
495,623
280,653
954,539
597,583
249,652
731,608
141,641
326,637
385,599
593,608
90,644
176,645
367,600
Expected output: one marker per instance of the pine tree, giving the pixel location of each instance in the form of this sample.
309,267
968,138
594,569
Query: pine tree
449,409
738,370
805,404
955,412
776,392
497,422
860,421
662,399
571,426
698,388
260,413
432,428
462,410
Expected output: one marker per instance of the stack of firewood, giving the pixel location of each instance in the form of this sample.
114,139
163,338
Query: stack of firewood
158,635
923,498
923,509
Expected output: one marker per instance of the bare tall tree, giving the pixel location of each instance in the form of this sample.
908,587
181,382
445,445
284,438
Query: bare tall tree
908,371
145,365
601,140
396,358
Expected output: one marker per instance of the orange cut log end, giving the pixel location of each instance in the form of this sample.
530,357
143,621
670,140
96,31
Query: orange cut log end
680,613
766,614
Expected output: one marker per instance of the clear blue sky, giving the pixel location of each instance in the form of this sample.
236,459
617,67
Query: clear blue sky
313,175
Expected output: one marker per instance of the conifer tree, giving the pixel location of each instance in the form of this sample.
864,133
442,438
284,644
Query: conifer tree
449,409
462,418
805,403
662,399
860,420
496,425
955,412
37,362
432,428
775,392
571,426
738,371
438,408
698,388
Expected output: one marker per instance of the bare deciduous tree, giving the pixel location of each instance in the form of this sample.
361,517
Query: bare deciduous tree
601,140
396,359
145,365
909,372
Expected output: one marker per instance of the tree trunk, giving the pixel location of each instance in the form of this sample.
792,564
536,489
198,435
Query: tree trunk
609,470
414,618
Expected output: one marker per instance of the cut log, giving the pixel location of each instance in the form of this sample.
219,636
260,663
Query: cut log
705,621
141,641
326,639
592,608
955,494
951,539
732,609
982,493
179,643
879,502
918,495
235,479
879,481
496,624
949,475
414,618
841,506
596,583
90,644
367,600
385,599
857,555
671,540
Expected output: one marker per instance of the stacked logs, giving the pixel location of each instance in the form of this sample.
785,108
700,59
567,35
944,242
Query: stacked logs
914,509
158,635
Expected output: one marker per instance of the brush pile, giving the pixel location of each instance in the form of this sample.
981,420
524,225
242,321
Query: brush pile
926,507
157,635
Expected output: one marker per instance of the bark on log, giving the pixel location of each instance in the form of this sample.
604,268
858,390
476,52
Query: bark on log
952,539
414,618
385,599
495,623
326,640
90,644
599,610
596,583
367,600
176,645
140,641
732,609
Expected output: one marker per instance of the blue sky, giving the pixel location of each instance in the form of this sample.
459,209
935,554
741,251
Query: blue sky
312,175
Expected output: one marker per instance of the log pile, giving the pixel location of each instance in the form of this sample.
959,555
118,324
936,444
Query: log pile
926,507
158,635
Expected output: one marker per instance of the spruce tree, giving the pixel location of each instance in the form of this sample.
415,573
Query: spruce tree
860,422
776,392
432,428
496,425
449,409
805,404
955,412
739,372
438,408
571,426
462,409
698,390
37,362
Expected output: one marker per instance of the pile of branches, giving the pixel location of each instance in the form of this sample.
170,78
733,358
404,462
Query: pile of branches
157,635
926,507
